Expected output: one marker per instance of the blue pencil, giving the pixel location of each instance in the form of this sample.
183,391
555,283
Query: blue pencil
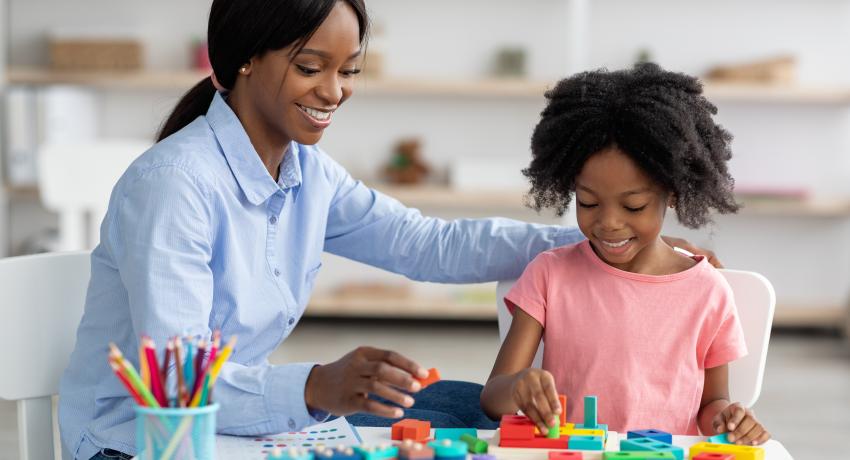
189,365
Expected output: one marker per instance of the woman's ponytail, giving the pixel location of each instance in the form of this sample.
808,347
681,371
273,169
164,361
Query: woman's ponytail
192,105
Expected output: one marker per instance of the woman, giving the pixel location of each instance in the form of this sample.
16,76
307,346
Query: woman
221,224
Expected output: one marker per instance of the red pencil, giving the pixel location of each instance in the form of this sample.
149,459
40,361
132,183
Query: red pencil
135,394
166,362
182,393
156,376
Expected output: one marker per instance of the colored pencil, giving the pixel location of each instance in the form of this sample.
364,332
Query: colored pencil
144,370
200,369
215,369
135,394
133,376
188,366
182,394
166,363
156,376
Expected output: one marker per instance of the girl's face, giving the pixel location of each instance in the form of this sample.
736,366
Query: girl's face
620,209
295,96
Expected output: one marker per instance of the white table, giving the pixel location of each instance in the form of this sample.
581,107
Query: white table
774,450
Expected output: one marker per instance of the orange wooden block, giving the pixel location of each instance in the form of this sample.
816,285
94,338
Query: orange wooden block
409,428
433,376
563,400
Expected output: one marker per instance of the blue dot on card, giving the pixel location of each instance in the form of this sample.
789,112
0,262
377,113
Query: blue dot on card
268,445
306,444
331,437
341,436
333,429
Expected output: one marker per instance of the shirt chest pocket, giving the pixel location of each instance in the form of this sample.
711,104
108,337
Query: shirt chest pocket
309,284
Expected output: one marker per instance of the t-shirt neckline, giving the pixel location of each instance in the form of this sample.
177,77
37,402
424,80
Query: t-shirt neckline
587,249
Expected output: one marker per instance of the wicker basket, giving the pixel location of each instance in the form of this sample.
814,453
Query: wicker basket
96,54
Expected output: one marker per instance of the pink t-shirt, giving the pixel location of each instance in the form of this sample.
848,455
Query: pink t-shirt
641,343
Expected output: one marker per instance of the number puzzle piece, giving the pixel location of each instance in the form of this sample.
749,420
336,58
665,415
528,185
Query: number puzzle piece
566,456
740,452
590,412
645,455
720,439
658,435
713,456
474,445
433,376
516,427
448,448
586,442
454,433
412,450
417,430
379,452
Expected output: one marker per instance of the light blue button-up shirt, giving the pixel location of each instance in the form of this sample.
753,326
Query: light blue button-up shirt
199,236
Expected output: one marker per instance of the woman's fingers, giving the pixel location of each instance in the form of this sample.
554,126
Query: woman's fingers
396,360
391,375
381,410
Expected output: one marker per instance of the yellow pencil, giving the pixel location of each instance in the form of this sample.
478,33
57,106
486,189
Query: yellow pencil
132,375
215,369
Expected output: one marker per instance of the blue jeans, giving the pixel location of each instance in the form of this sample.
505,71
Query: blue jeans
446,404
109,454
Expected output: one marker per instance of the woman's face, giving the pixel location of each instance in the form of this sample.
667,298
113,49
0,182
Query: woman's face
620,208
295,96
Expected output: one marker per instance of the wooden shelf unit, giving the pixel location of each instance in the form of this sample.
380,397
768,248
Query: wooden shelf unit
485,87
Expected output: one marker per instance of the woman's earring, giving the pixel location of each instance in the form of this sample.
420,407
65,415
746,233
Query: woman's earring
243,69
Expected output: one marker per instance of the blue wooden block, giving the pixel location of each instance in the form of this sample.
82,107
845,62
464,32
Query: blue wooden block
640,444
658,435
677,451
590,420
720,439
586,443
380,452
454,433
447,449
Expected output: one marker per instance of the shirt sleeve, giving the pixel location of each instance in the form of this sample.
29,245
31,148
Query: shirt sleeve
370,227
530,291
163,225
723,339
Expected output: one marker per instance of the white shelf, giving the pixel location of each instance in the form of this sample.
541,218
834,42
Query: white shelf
409,307
486,87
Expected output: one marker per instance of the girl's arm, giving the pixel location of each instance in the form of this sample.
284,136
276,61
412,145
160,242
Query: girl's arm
718,415
513,385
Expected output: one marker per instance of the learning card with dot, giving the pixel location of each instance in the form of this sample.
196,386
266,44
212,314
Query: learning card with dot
337,432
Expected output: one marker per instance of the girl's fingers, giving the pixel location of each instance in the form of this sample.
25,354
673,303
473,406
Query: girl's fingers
741,430
750,435
552,394
734,416
541,402
534,415
763,438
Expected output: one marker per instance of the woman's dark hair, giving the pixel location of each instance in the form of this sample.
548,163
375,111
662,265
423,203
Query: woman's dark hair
659,119
241,29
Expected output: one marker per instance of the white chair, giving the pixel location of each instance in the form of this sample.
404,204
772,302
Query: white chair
75,181
41,304
755,299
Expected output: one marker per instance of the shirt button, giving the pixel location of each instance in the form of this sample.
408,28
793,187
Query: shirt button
276,272
291,424
291,320
273,220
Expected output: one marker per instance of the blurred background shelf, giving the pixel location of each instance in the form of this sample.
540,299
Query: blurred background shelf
322,305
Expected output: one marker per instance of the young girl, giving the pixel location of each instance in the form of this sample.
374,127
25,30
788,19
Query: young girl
623,315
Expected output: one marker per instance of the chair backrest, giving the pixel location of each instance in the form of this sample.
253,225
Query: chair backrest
75,180
755,300
41,304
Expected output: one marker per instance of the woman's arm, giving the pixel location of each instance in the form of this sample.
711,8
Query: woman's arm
718,415
513,385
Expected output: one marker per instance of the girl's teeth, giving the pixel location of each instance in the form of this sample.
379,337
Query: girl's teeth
616,245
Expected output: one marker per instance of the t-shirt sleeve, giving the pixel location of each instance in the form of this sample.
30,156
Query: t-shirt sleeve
530,291
724,340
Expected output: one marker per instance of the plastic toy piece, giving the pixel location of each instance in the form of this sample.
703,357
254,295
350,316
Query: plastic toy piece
449,449
586,442
713,456
554,432
474,445
585,432
516,427
646,455
590,412
720,439
567,428
454,433
293,453
566,456
412,450
740,452
379,452
433,376
563,400
537,443
417,430
337,453
658,435
651,445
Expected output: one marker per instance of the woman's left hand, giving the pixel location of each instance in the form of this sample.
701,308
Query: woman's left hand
687,246
741,424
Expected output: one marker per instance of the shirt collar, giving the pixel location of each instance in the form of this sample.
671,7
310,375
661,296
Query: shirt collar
244,161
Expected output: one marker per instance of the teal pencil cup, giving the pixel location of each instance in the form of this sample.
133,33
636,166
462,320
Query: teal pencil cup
176,433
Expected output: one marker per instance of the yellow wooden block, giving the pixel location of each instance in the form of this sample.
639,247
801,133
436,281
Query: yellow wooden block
740,452
564,428
583,432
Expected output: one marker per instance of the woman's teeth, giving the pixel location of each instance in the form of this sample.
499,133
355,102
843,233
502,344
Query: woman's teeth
317,114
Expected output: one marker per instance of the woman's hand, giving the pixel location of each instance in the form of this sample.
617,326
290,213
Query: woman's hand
533,391
343,387
674,242
741,424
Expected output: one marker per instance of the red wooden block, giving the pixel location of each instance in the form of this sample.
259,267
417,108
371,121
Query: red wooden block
573,455
563,400
537,443
433,376
514,419
714,456
516,427
409,428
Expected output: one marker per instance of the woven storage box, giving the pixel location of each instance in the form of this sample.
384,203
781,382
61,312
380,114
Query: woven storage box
95,54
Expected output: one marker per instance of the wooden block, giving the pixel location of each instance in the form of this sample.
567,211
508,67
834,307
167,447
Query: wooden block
516,427
417,430
567,428
566,456
584,432
377,452
454,433
740,452
713,456
337,453
720,439
433,376
634,455
474,445
448,448
537,443
563,400
412,450
586,443
658,435
590,420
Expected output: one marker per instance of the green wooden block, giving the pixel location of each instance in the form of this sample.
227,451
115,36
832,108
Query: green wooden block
475,445
554,432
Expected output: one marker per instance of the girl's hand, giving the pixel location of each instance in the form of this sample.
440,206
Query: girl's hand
533,391
741,424
343,387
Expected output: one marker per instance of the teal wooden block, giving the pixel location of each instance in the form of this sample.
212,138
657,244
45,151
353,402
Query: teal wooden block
454,433
379,452
590,420
677,451
720,439
586,443
658,435
448,448
599,426
640,444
